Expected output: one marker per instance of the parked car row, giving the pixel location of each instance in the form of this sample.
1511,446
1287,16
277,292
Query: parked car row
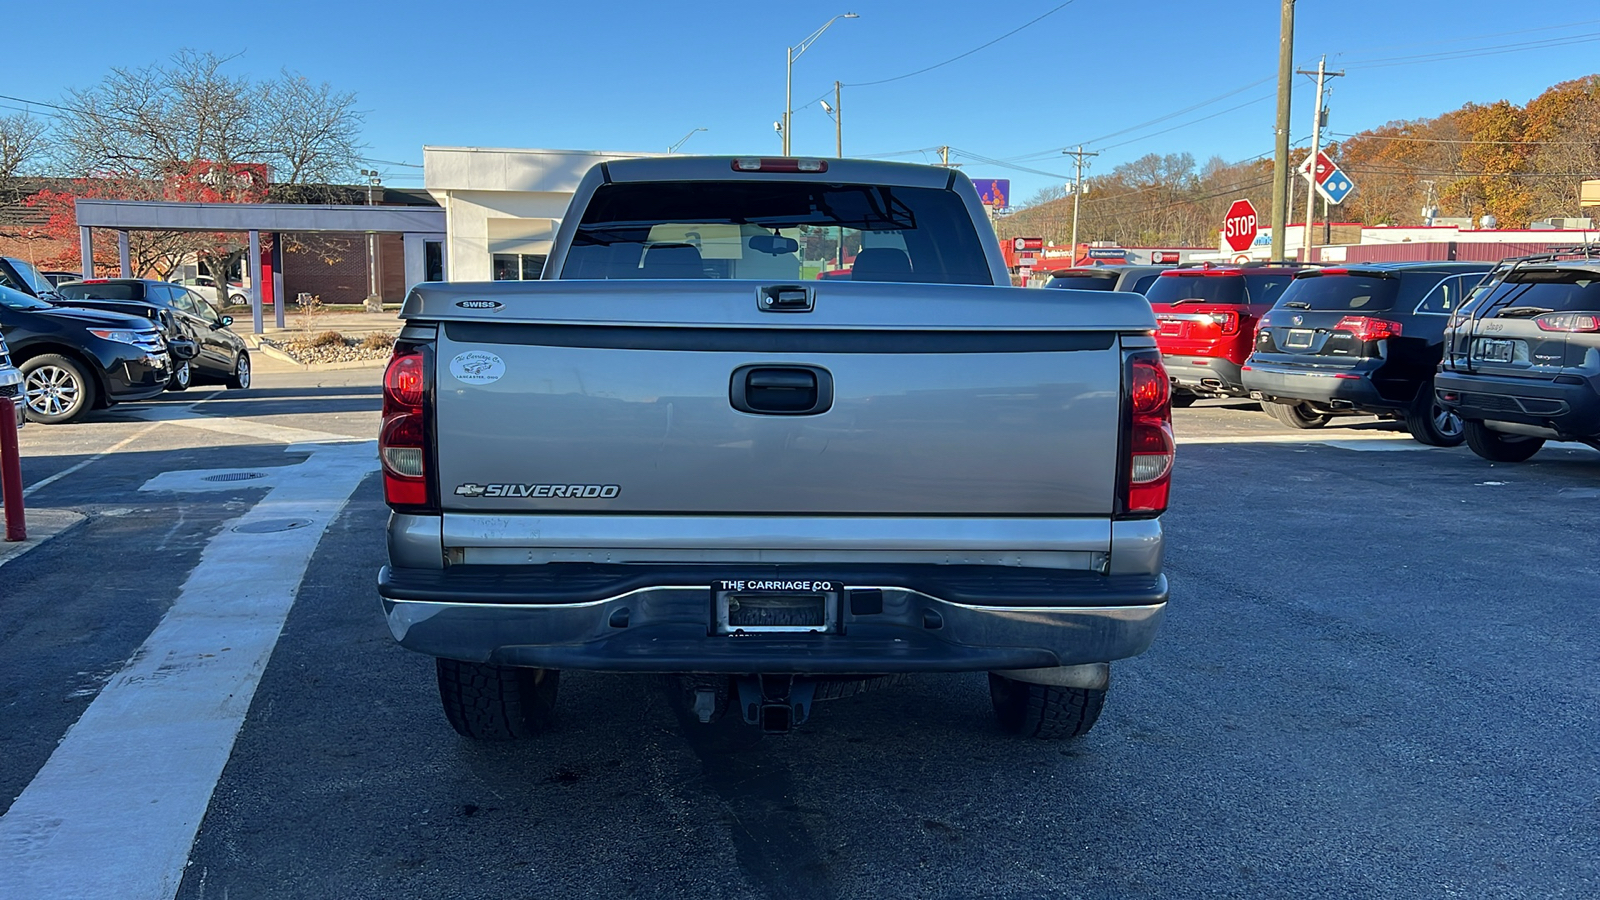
1502,357
89,344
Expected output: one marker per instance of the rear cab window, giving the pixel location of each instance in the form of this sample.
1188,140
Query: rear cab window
1086,281
1535,292
93,291
777,230
1341,292
1225,289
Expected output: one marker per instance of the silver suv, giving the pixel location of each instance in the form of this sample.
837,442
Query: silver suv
1522,359
10,381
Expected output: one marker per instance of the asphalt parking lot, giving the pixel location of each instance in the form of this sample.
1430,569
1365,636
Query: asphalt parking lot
1376,679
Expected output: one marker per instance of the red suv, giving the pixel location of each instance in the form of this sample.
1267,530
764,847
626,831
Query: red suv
1206,320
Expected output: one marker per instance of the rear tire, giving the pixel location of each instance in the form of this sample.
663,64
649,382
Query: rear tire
182,377
1497,447
1044,711
1431,423
240,379
1296,415
1183,399
497,703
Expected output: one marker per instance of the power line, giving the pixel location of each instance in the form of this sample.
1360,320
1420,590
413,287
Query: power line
1419,140
952,59
1494,50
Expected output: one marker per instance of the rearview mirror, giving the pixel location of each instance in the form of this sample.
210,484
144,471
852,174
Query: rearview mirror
773,244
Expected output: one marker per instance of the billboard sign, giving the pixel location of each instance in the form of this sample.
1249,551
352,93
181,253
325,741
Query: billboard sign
994,192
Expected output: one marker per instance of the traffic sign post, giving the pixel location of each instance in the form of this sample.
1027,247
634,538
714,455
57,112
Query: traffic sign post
1239,226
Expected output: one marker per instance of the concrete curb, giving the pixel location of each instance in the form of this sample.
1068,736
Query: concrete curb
43,524
274,353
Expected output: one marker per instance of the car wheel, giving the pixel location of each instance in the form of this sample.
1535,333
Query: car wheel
1042,710
237,300
240,379
497,703
1297,415
1432,424
1498,447
1183,399
182,377
57,389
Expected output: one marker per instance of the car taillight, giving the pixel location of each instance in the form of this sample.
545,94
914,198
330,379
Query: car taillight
1584,323
402,439
1366,328
1228,320
1150,449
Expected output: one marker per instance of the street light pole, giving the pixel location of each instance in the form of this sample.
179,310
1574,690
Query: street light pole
674,147
373,180
788,76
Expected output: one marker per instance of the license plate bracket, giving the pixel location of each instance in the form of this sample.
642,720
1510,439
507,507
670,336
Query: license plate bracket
774,606
1491,350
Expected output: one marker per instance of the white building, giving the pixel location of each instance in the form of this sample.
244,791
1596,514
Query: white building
502,206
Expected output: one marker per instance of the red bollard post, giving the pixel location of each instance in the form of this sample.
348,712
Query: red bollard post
11,473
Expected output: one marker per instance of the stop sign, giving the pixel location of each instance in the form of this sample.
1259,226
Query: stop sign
1239,226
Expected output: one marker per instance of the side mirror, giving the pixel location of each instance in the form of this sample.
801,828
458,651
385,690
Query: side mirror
226,321
773,244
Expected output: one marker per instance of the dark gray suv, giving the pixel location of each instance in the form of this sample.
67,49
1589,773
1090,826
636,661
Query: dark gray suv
1522,358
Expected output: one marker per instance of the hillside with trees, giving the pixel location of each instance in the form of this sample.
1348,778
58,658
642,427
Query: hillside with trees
1518,163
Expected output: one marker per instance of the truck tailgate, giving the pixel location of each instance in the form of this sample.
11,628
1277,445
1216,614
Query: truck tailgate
1008,407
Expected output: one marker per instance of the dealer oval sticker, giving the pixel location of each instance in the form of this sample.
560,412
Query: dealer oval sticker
477,367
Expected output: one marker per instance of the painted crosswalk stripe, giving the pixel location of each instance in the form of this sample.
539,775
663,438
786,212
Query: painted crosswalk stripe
114,811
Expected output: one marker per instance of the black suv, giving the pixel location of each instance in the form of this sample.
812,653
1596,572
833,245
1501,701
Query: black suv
1522,358
203,347
1106,278
1361,339
75,360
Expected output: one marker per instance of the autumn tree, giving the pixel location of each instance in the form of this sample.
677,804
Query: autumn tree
187,129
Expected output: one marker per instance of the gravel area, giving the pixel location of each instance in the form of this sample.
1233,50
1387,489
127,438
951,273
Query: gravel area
330,347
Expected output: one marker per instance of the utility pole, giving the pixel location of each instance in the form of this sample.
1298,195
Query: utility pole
1322,74
838,121
944,157
1280,158
1077,191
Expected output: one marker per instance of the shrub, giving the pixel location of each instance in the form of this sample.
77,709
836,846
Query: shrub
328,339
377,341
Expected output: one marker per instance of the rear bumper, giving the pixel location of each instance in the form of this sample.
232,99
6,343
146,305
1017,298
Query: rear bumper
907,618
1325,386
1204,374
1570,410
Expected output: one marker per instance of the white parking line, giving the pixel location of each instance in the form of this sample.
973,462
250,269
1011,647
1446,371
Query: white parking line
114,811
263,431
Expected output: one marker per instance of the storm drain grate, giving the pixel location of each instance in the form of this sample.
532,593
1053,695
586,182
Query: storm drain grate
268,526
235,476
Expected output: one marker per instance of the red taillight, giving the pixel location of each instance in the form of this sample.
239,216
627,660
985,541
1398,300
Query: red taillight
779,164
1228,320
1150,446
402,439
1583,323
1366,328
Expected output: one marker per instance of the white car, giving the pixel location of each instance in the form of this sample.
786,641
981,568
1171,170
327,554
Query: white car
206,286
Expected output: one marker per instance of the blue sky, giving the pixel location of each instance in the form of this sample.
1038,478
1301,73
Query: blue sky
626,75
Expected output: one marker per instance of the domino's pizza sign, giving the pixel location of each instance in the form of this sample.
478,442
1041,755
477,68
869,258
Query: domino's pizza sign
1336,187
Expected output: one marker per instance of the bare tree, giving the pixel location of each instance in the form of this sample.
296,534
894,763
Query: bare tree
22,144
312,131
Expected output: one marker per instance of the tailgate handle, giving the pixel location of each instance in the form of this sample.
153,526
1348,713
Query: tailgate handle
781,390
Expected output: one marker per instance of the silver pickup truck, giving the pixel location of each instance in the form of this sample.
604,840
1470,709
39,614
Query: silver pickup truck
776,427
